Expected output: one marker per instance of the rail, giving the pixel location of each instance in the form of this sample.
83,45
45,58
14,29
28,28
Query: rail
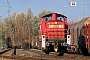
4,51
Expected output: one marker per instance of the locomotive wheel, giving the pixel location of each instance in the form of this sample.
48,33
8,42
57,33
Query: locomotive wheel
61,54
85,52
47,52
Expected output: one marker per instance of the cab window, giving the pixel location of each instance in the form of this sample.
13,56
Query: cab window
60,18
47,18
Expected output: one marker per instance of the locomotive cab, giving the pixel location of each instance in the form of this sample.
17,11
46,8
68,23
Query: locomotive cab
53,33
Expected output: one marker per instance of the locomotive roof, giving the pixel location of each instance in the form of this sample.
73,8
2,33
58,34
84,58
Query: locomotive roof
55,13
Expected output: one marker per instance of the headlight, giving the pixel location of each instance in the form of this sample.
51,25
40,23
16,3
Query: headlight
56,26
51,26
61,26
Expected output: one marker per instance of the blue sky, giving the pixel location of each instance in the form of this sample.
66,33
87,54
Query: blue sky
36,6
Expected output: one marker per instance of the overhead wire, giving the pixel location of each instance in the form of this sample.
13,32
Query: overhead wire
8,8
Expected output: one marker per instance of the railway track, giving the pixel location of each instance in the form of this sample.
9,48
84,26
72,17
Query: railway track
5,54
23,55
43,53
67,56
8,53
3,51
34,54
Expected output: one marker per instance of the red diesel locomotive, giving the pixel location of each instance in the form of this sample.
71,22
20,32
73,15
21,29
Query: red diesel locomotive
53,33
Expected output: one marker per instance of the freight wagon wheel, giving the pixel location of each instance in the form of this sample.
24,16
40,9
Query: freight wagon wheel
80,51
85,52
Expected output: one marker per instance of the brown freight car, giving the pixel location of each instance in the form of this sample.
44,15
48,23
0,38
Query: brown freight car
80,36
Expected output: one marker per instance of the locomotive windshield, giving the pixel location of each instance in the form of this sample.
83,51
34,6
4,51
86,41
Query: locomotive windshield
60,18
47,18
55,16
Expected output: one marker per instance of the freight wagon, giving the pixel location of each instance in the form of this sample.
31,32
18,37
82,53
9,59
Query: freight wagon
79,37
